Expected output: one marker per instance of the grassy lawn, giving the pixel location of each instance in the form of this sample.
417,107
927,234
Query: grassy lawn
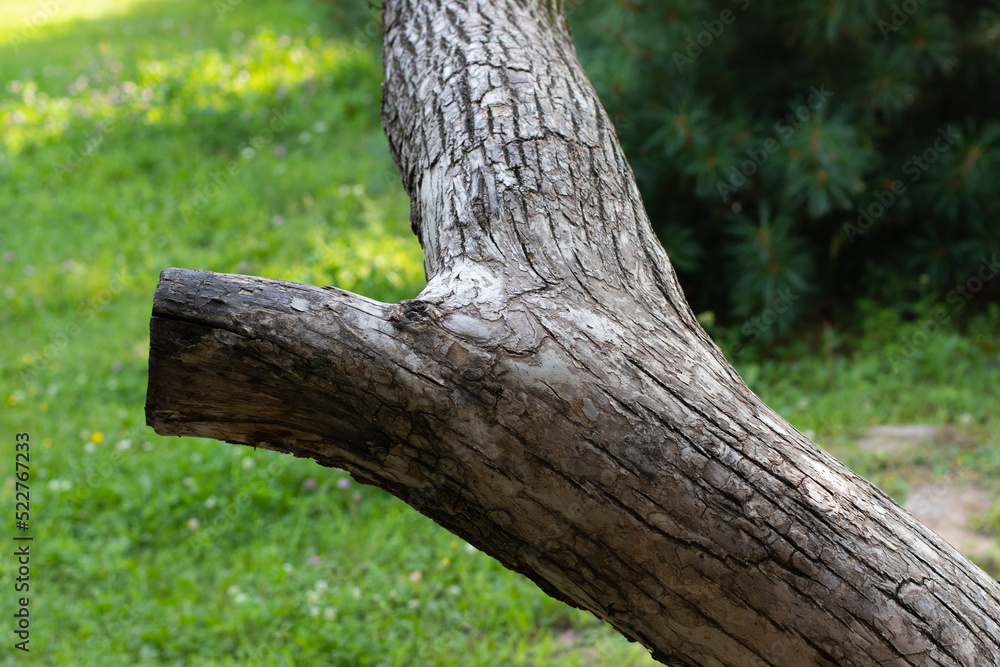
244,137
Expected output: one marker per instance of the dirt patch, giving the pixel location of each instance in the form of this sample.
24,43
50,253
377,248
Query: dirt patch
946,509
947,505
896,438
905,438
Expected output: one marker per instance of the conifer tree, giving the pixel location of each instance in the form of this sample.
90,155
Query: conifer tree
794,156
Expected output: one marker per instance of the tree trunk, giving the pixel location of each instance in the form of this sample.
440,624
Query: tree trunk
550,397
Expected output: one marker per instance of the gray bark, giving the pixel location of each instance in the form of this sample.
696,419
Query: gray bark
550,397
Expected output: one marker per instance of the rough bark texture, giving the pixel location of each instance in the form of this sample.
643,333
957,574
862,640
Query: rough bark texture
550,397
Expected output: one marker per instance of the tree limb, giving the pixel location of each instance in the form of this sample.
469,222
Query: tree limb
550,397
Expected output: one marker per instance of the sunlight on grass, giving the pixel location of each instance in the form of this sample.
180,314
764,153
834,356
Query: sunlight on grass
265,67
366,262
24,20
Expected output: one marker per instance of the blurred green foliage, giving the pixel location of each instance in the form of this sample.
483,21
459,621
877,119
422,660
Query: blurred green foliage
854,144
137,135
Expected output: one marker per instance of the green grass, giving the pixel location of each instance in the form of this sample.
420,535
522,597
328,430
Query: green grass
119,125
136,136
883,368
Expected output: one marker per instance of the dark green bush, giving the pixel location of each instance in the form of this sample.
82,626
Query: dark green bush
813,151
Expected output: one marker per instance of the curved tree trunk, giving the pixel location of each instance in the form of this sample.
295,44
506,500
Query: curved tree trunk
550,397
